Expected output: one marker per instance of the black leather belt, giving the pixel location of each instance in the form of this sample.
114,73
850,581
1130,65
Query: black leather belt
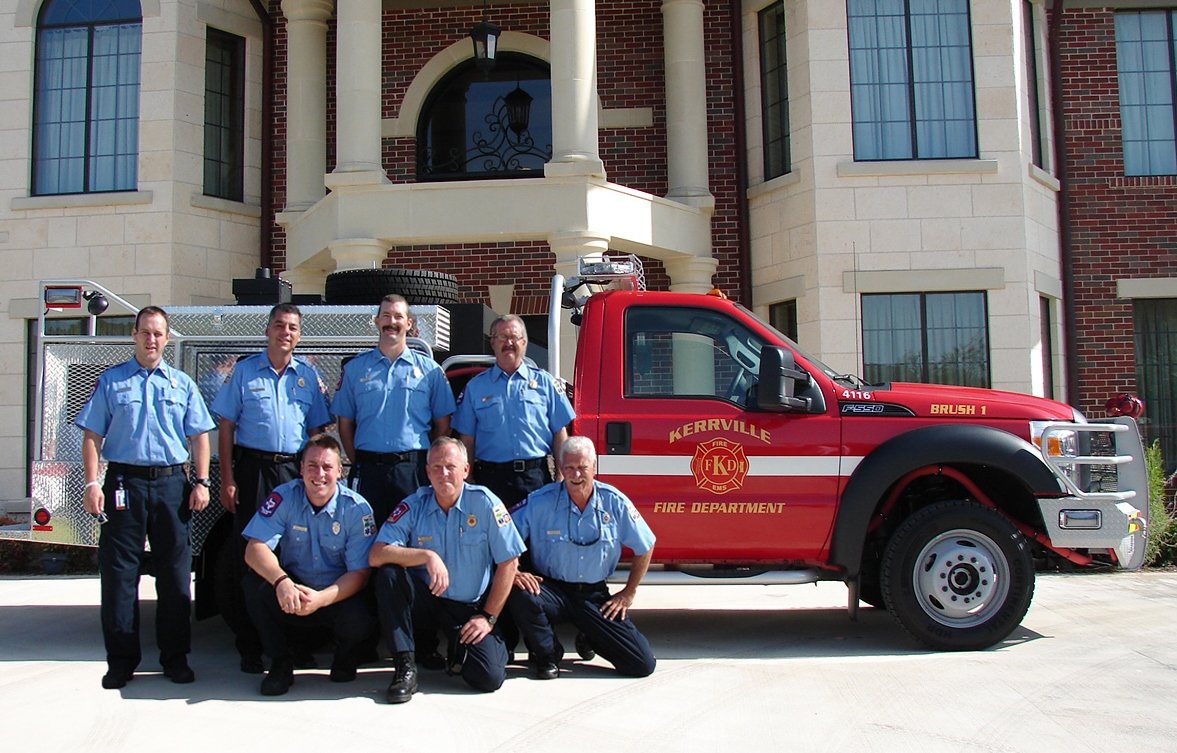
515,466
389,458
145,471
269,457
576,587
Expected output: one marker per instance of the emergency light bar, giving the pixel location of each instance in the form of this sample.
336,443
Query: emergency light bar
622,272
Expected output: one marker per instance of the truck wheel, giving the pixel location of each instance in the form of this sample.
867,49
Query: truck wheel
365,287
958,576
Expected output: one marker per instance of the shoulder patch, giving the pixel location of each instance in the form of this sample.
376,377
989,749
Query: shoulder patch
502,517
369,525
398,512
634,515
270,505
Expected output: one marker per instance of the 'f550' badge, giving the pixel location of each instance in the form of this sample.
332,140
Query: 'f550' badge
719,466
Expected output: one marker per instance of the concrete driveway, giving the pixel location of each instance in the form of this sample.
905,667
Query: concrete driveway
1092,668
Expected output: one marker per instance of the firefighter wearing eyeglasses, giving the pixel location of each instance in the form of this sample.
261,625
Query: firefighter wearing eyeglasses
511,417
575,530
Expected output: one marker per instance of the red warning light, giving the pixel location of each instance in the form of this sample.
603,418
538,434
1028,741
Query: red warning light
41,516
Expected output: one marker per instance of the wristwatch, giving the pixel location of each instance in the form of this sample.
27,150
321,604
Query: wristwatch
203,482
491,619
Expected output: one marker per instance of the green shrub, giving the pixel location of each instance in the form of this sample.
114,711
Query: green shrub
1162,529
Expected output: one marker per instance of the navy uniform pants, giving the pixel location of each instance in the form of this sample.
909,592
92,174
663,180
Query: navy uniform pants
156,510
351,622
617,641
511,486
255,478
384,485
402,601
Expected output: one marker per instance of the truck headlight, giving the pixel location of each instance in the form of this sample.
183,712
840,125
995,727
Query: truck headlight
1059,444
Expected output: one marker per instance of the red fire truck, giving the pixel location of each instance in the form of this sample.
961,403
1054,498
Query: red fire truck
752,461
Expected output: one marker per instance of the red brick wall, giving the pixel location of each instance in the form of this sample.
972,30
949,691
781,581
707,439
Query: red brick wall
630,74
1121,227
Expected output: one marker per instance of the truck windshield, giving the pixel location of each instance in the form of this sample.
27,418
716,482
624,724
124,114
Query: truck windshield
813,360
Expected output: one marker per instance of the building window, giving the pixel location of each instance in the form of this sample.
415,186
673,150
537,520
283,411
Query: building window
783,317
926,337
1144,59
1046,323
774,91
224,115
1033,86
86,97
1155,323
499,125
911,79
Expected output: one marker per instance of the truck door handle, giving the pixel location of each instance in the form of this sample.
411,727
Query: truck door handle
617,438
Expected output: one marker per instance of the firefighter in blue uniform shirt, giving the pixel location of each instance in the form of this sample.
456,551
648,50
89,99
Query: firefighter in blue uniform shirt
448,555
391,401
316,579
511,417
575,531
147,420
268,407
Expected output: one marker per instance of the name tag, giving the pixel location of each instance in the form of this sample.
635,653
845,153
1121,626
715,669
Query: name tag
301,529
423,539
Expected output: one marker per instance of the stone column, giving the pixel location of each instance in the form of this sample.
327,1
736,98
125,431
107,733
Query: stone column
357,88
686,103
568,247
308,280
690,274
575,150
358,253
306,101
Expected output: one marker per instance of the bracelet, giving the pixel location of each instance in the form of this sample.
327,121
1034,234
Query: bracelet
279,579
92,483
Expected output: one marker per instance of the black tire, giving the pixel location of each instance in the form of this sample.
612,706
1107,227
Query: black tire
958,576
365,287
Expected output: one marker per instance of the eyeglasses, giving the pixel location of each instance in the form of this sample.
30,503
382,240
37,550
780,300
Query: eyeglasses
600,524
512,339
100,517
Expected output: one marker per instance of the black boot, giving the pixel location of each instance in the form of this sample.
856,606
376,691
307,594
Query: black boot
404,682
280,677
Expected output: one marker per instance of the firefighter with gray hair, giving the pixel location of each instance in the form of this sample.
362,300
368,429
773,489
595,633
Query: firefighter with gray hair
575,530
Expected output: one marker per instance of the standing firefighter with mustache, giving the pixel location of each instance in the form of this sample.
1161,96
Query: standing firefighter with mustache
391,403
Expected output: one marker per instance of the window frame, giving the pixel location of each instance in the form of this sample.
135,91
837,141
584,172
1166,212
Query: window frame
774,111
926,365
230,178
1127,111
424,171
915,121
40,126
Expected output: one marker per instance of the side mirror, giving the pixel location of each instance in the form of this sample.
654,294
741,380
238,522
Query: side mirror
779,380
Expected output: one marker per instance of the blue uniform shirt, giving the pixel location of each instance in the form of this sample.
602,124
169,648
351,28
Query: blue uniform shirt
475,535
392,402
512,416
317,548
580,547
145,417
272,411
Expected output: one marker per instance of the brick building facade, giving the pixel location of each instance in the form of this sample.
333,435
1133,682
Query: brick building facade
876,178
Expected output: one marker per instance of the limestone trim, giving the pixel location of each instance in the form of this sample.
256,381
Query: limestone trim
851,169
923,280
66,201
27,11
218,204
1048,285
1147,287
778,291
1043,177
780,182
218,18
